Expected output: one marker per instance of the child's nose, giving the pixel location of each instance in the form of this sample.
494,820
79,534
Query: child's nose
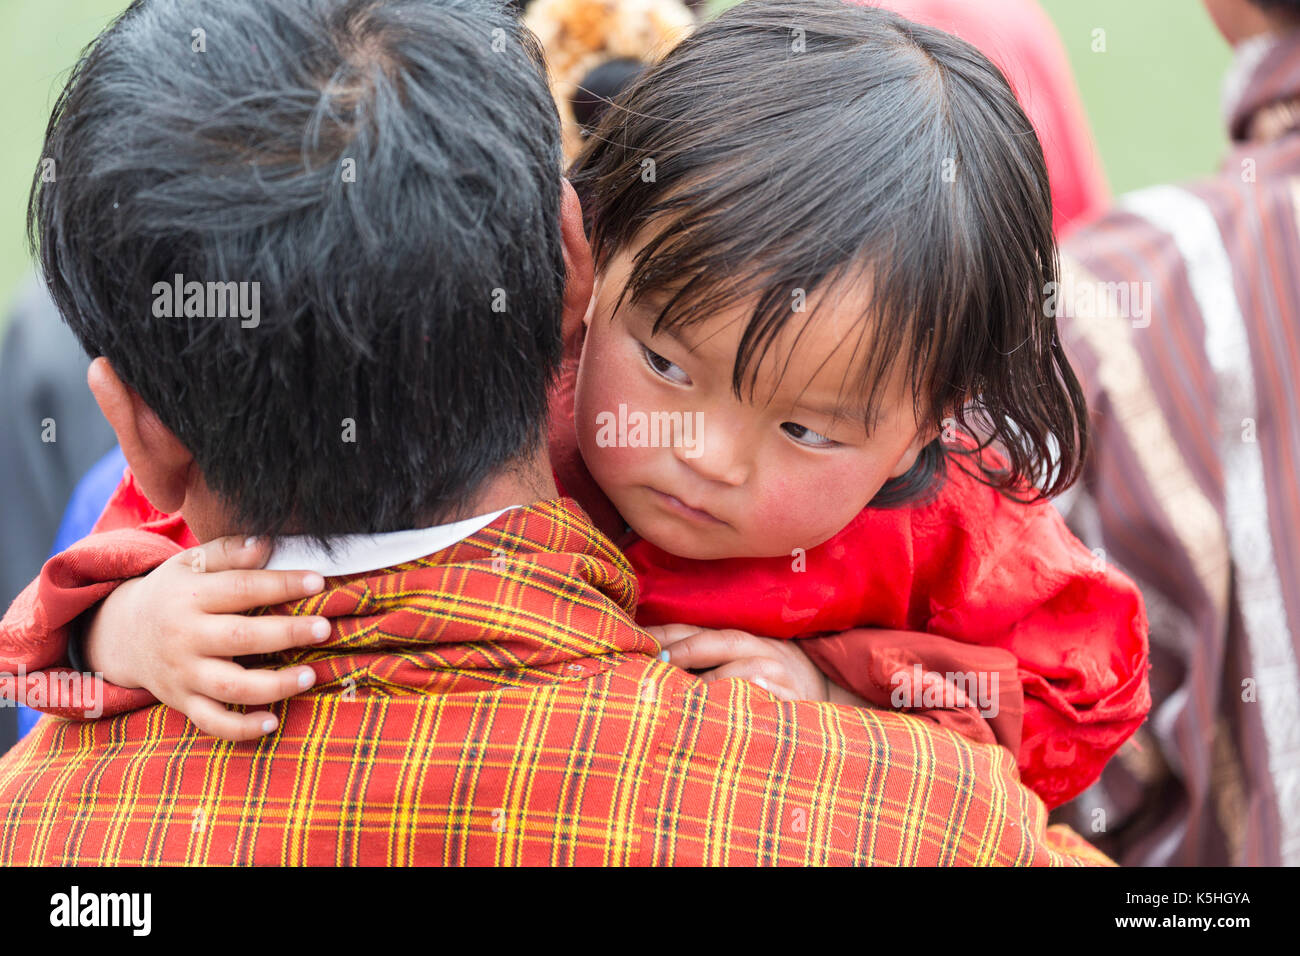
713,449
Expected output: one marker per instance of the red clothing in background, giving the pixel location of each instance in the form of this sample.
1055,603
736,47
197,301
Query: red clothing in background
1020,38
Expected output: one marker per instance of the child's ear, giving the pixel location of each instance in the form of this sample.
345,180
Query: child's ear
923,437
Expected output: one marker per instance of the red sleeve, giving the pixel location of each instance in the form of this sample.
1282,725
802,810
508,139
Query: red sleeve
974,691
130,539
1012,576
129,508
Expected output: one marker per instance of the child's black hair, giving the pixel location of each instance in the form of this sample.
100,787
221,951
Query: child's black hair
793,144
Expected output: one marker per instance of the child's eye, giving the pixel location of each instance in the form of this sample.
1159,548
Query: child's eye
665,368
806,436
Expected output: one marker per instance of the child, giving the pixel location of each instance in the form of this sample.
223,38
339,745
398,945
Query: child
821,235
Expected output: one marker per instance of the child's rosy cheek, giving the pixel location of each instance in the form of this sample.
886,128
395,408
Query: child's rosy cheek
611,379
779,506
610,462
815,506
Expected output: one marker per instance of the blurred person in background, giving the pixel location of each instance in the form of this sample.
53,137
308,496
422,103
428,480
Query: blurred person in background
596,48
1180,310
51,432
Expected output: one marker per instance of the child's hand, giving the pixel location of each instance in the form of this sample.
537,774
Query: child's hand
175,630
780,667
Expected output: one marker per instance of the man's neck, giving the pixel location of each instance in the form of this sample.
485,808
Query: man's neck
521,484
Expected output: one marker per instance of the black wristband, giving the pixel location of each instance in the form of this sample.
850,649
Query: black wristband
77,644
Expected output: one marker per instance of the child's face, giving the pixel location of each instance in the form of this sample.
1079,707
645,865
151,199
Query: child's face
731,478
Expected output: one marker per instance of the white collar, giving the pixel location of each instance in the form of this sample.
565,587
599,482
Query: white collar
355,553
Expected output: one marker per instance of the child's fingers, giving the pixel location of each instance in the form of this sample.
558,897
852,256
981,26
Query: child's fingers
763,671
667,634
228,592
234,635
228,683
215,720
710,648
232,552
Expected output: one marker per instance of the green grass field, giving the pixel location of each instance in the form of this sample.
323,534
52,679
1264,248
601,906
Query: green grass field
39,43
1152,97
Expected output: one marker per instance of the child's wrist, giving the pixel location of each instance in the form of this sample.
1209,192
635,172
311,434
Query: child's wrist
98,656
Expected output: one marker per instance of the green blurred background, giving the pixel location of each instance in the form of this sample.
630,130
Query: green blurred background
1152,98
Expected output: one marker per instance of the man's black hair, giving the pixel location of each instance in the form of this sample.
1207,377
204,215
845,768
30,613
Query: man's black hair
798,143
388,173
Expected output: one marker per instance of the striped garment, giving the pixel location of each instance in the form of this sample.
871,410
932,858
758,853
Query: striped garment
494,703
1193,491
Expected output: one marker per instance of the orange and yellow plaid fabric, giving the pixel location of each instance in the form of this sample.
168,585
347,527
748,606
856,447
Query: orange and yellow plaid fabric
494,703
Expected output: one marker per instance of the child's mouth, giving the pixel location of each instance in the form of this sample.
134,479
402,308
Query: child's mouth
677,506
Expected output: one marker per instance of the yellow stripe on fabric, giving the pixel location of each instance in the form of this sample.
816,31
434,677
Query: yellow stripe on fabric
722,805
956,810
652,699
673,754
405,814
209,802
914,810
874,785
522,768
565,796
353,807
160,819
47,732
482,717
322,717
67,764
991,839
589,712
120,822
828,781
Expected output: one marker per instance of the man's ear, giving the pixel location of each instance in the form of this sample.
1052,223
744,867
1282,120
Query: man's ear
161,464
923,437
578,266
